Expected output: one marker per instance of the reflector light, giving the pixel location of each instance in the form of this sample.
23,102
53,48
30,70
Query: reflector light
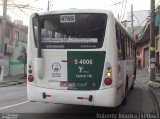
109,68
30,78
80,97
48,96
108,81
30,71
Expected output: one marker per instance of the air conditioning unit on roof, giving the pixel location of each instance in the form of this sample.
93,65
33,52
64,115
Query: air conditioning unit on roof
9,49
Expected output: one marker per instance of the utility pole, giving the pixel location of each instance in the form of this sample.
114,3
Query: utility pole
4,20
152,41
48,6
118,17
132,31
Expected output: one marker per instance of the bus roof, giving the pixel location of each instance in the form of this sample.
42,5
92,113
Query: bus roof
73,10
122,26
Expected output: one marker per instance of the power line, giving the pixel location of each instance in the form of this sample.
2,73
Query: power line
124,10
143,21
19,8
133,21
121,8
147,16
141,24
136,18
14,13
27,6
9,7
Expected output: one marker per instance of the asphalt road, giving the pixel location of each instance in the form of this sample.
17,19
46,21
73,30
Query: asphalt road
13,99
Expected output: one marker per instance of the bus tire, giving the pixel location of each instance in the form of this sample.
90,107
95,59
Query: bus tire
132,86
126,93
135,73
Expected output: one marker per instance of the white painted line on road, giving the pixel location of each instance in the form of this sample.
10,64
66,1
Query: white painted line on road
13,105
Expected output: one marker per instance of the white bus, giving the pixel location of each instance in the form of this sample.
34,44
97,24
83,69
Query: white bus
81,57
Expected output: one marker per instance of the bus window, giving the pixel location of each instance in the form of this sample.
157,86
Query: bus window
68,29
35,29
120,43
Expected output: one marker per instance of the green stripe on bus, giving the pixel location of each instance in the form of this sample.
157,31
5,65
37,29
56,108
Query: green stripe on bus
85,69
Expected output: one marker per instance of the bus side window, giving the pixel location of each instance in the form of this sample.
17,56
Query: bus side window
125,46
122,42
119,44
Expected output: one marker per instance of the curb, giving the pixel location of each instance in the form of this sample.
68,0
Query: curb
11,83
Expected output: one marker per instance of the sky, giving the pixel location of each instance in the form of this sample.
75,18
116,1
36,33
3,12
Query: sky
115,5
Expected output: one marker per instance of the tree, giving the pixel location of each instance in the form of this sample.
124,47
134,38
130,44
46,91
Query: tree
23,58
158,7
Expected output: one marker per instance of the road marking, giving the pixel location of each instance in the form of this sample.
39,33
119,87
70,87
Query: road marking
13,105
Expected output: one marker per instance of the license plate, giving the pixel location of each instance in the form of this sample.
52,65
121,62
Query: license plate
67,84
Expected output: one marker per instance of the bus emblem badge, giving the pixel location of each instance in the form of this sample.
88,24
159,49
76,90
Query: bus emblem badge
56,67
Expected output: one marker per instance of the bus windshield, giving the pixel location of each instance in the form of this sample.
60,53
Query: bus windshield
72,31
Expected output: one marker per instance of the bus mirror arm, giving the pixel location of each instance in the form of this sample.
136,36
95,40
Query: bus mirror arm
39,61
39,35
39,67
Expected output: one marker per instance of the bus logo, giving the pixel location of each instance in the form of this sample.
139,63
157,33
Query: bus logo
81,68
56,67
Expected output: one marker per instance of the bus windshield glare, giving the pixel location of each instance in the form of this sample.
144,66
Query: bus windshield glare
71,31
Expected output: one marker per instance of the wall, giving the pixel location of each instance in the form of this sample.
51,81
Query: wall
17,67
141,50
12,66
8,40
6,66
158,49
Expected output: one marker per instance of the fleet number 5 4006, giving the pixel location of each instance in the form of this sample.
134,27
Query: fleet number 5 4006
83,61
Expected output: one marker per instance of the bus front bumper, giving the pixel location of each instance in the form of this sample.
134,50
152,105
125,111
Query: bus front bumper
104,97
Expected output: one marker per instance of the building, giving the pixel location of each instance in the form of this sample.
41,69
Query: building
143,46
15,40
19,41
141,28
8,41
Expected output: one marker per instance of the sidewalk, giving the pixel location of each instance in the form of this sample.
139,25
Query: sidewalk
12,80
143,75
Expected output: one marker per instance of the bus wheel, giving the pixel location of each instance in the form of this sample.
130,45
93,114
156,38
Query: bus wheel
132,86
126,93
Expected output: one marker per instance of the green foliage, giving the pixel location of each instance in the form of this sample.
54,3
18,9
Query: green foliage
158,7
